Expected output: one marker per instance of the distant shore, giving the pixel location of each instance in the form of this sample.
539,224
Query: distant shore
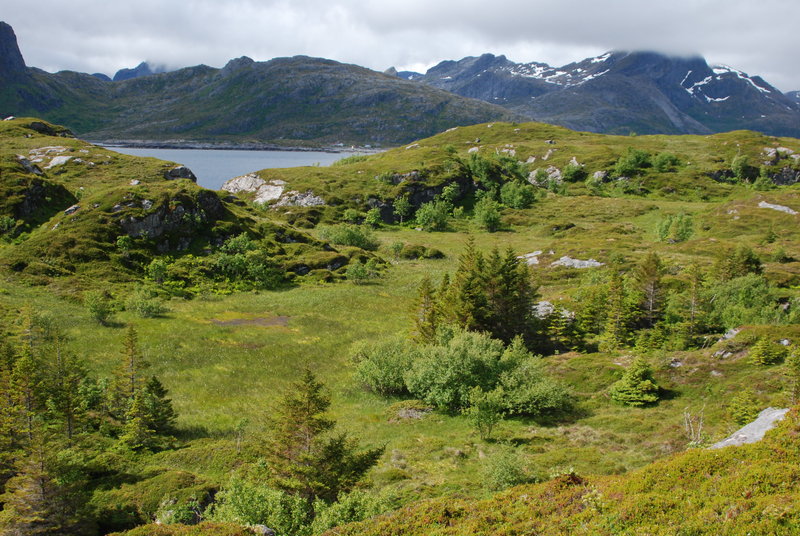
178,144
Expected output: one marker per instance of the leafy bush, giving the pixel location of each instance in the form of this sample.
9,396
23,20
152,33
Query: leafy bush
354,506
485,410
664,162
506,468
381,365
361,272
432,216
98,304
250,503
487,214
351,235
631,163
144,303
749,299
373,217
352,215
516,194
573,173
637,386
444,374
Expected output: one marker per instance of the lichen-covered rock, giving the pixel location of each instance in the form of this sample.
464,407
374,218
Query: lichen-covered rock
297,199
576,263
251,183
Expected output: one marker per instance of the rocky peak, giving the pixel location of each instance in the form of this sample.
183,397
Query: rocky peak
143,69
237,65
11,61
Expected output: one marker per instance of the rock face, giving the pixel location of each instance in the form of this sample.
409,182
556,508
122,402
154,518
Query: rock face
167,218
766,421
11,62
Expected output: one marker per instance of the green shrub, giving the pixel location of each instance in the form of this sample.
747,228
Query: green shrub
487,214
637,386
664,162
506,468
144,303
354,506
381,365
445,374
631,163
516,194
351,235
98,304
373,217
361,272
352,215
433,216
250,503
485,410
573,173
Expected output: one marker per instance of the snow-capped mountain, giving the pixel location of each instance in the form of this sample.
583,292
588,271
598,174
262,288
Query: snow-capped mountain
620,92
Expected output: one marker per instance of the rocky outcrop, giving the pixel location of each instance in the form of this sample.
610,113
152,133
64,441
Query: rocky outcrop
298,199
576,263
176,216
251,183
779,208
766,421
180,172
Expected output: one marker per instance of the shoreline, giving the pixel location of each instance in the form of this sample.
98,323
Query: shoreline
179,145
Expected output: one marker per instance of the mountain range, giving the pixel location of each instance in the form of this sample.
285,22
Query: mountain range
312,101
621,92
284,101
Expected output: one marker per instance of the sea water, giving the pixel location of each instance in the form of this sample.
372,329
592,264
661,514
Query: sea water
213,167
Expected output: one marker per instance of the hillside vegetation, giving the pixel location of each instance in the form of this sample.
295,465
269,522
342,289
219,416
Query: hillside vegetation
451,323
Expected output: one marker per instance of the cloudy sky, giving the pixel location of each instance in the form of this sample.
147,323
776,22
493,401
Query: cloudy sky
759,37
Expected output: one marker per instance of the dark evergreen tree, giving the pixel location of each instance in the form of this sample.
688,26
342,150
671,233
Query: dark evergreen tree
158,411
426,320
304,458
648,278
618,317
128,377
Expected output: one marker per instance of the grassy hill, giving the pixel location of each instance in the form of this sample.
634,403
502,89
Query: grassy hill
227,349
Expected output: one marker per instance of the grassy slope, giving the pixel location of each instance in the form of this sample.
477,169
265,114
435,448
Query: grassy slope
220,374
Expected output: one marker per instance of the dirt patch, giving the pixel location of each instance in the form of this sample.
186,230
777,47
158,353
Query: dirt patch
264,322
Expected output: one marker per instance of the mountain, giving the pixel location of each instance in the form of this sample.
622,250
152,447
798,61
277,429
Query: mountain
620,92
143,69
794,95
285,101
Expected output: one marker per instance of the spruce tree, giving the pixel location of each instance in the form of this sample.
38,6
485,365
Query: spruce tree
128,377
648,278
304,458
426,319
637,386
617,327
158,411
137,433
